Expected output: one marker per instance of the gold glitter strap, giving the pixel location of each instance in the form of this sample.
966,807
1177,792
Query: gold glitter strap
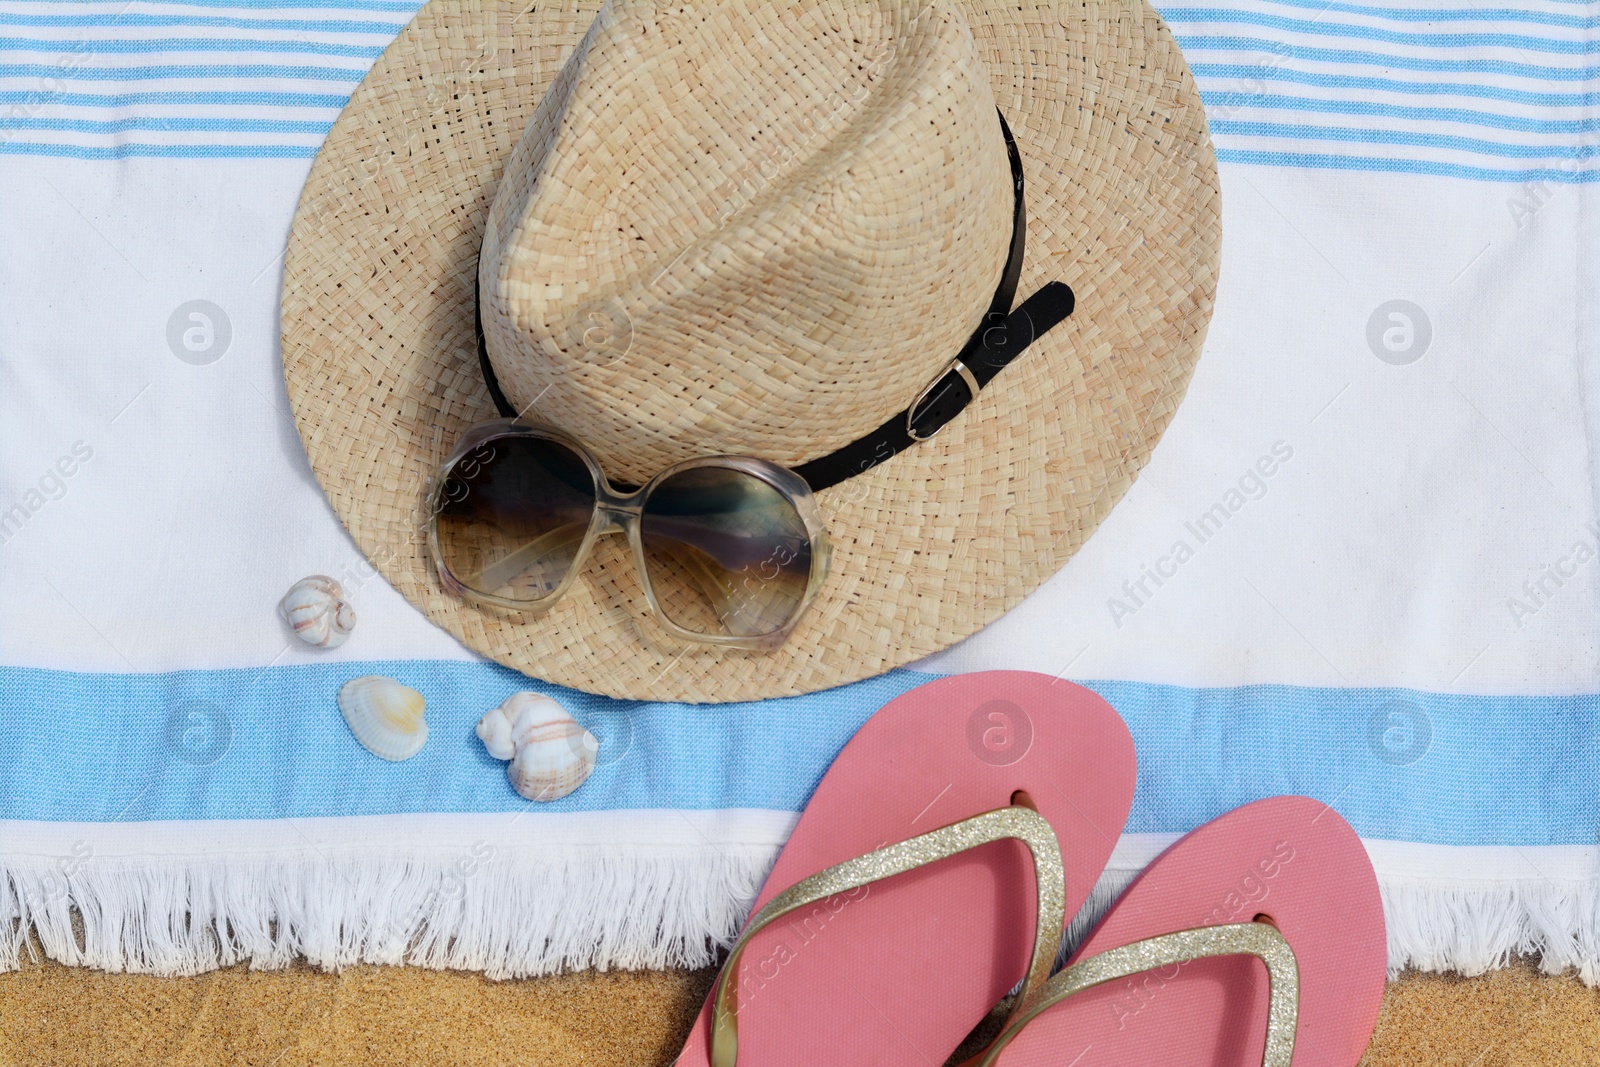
1021,823
1239,939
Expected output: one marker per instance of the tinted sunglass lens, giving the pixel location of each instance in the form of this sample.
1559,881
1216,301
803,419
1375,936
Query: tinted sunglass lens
727,553
511,516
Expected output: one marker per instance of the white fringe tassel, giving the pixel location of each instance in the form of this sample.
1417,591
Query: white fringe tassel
1473,931
605,909
1467,931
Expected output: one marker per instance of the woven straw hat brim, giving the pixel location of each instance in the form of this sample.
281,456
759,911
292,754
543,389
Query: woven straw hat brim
381,366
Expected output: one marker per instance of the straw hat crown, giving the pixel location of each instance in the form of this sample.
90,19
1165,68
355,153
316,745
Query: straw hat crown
761,227
746,227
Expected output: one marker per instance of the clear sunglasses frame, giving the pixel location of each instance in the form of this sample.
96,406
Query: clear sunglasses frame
619,512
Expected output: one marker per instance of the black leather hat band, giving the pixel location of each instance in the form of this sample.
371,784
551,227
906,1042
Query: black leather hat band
1000,338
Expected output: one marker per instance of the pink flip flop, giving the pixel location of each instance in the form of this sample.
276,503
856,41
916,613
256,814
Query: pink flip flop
1283,879
898,968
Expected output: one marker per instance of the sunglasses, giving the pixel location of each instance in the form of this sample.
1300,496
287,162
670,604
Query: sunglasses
730,550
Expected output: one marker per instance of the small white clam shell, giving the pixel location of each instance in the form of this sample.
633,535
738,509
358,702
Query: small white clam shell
551,754
385,716
315,608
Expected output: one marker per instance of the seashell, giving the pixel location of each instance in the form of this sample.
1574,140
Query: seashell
385,716
550,753
315,608
494,730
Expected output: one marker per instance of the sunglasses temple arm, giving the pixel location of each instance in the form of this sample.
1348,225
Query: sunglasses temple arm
719,590
723,592
517,560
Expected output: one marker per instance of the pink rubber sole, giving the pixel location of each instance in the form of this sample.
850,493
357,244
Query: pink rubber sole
899,972
1291,859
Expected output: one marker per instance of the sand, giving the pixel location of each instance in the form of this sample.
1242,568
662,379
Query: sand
50,1014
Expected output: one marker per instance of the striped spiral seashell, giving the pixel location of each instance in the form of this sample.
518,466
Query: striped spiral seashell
551,754
315,608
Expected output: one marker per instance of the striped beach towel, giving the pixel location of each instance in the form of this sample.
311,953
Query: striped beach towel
1361,565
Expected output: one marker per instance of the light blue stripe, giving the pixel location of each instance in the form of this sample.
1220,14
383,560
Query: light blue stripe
290,751
140,46
1324,80
37,97
1409,138
403,7
158,151
1498,770
1466,116
1416,14
1312,161
1201,70
1226,17
144,21
173,124
56,72
1353,57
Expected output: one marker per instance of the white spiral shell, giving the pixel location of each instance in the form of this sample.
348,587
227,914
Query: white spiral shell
551,754
315,608
385,716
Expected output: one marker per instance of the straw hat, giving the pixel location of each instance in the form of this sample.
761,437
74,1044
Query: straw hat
754,228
